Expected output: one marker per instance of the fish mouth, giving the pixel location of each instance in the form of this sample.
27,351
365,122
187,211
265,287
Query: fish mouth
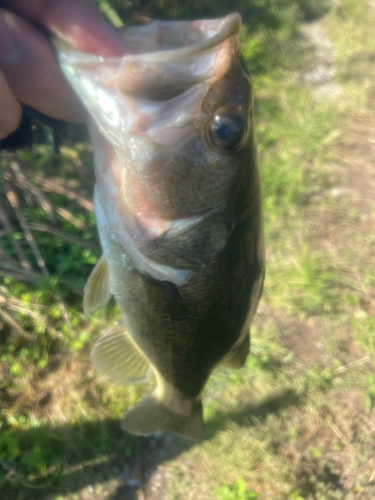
174,55
170,57
203,36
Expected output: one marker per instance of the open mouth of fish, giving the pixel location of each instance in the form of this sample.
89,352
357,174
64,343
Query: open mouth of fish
141,108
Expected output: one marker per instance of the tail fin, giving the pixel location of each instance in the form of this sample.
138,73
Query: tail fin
151,415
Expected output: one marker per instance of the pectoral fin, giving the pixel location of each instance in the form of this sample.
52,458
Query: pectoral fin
238,356
96,291
116,355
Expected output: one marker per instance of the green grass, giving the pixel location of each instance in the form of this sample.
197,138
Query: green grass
237,491
296,422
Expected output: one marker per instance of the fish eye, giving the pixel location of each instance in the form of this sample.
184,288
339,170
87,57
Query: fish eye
227,132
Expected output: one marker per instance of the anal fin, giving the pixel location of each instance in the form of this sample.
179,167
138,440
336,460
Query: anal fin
97,292
237,357
116,355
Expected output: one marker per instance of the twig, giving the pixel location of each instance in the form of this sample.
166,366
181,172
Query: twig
353,364
29,188
8,319
9,269
18,306
13,200
52,186
64,312
65,214
16,245
64,235
338,433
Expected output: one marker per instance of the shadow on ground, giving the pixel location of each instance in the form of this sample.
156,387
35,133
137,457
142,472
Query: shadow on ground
82,455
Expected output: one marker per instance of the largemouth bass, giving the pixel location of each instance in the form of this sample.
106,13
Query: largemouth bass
179,211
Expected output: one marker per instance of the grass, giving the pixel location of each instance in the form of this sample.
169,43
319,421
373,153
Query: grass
297,422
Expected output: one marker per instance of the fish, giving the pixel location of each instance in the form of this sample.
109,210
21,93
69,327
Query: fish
178,204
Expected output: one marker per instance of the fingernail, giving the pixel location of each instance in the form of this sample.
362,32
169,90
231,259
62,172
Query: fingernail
9,46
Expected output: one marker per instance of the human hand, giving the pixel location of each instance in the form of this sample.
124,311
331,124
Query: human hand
29,73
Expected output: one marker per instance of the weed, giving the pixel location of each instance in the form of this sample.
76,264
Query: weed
238,491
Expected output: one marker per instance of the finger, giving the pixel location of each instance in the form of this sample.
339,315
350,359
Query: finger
10,110
78,22
31,71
